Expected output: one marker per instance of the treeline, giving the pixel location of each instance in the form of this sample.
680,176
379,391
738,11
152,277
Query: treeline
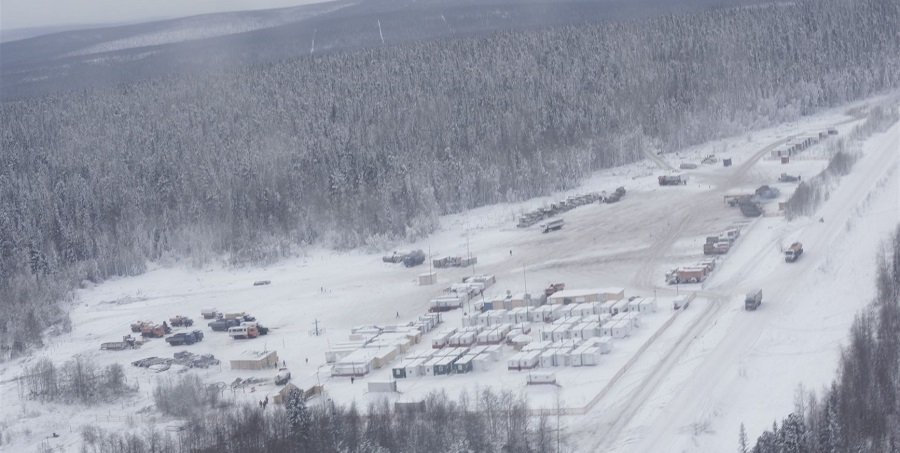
361,146
481,422
77,381
810,194
860,412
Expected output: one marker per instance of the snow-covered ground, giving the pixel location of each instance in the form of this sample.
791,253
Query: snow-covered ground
712,368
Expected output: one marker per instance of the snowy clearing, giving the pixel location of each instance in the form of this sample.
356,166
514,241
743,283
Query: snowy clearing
711,368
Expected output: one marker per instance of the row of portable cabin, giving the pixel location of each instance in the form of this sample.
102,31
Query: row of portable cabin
460,293
447,361
550,313
372,347
558,354
798,144
477,334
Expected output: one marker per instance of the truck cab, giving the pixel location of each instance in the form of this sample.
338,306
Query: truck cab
793,252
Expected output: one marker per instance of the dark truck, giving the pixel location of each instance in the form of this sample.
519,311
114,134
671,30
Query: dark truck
672,180
753,300
222,325
414,258
185,338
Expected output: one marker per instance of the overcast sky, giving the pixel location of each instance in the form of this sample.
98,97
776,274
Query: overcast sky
47,13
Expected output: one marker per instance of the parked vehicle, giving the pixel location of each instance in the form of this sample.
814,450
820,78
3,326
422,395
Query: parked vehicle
155,330
672,180
138,326
788,178
180,321
753,300
185,338
222,325
259,327
283,376
395,257
209,313
750,208
128,342
243,332
552,225
240,316
687,275
415,258
554,287
793,252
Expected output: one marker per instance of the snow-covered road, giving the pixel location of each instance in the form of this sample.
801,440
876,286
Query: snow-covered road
745,366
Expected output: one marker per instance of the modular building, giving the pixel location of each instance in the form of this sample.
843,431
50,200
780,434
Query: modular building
620,306
442,339
583,310
481,362
613,293
575,296
620,328
255,360
590,356
606,307
464,364
540,378
428,278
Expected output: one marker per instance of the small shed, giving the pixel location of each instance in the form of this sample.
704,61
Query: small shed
613,293
428,278
282,395
255,360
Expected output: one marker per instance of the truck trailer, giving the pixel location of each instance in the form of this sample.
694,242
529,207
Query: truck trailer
753,300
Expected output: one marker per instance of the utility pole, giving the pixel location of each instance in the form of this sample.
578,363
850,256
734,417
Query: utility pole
524,296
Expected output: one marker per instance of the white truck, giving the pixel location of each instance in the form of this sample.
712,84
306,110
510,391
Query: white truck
793,252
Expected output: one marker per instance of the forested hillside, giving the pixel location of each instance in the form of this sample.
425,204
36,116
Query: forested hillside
861,410
352,147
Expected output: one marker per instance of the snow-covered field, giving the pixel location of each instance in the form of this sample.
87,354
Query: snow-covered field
712,368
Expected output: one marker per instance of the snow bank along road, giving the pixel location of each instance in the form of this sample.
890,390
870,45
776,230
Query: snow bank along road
741,366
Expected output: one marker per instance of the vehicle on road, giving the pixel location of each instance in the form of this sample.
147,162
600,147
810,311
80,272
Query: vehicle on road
793,252
753,300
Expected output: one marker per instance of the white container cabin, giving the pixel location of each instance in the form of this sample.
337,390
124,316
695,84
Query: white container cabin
590,356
